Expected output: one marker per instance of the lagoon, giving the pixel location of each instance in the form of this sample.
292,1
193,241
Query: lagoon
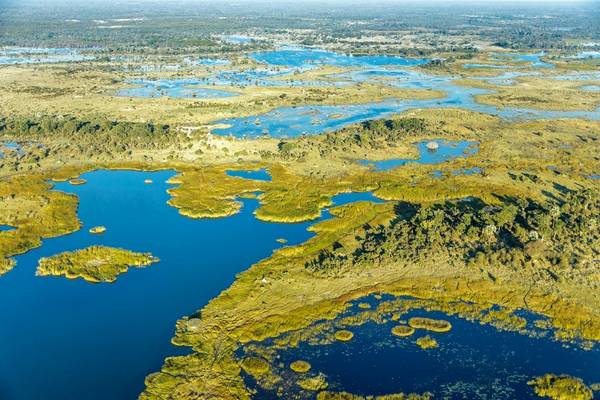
259,174
178,88
34,55
473,361
70,339
447,150
306,58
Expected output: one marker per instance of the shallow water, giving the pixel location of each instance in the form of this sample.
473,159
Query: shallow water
447,150
533,60
303,57
6,228
213,61
491,66
311,120
177,88
259,174
34,55
473,361
594,88
506,79
187,88
295,121
70,339
13,146
315,119
236,39
587,54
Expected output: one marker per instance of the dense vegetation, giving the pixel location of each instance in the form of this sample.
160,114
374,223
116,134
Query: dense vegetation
367,135
190,26
99,129
517,234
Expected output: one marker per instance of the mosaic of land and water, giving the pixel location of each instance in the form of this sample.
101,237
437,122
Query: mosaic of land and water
333,201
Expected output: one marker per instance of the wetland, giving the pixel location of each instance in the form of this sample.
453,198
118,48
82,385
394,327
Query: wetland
344,202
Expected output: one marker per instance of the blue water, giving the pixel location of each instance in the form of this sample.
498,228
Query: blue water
463,171
447,150
303,57
10,145
594,88
491,66
259,174
505,79
579,76
315,119
6,228
236,39
178,88
587,54
473,361
533,60
294,121
213,62
31,55
70,339
188,88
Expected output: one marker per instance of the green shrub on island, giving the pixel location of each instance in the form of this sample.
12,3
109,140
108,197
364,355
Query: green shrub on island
77,181
427,342
350,396
314,383
561,387
98,230
402,330
300,366
94,264
344,335
430,324
255,365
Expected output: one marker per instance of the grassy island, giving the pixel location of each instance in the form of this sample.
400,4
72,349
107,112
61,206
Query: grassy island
77,181
94,264
300,366
402,330
98,230
427,342
350,396
344,335
561,387
255,365
430,324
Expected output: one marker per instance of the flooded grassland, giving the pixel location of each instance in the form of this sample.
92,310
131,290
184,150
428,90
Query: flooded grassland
332,240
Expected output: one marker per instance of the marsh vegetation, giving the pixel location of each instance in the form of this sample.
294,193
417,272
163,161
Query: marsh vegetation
467,138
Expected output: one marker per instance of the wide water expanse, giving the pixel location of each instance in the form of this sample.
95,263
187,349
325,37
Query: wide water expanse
70,339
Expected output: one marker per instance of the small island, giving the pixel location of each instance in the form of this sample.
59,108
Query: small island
97,230
560,387
429,324
77,181
94,264
427,342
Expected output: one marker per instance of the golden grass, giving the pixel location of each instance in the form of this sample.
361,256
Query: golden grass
94,264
